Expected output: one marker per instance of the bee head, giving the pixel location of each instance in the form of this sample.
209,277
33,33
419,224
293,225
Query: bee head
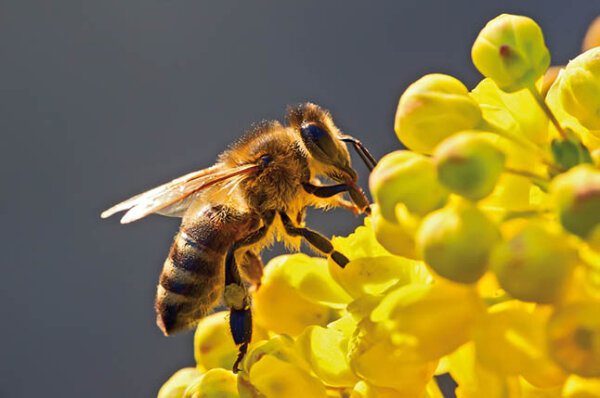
323,140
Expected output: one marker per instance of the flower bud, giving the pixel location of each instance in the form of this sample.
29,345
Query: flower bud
178,383
279,346
574,338
510,49
468,165
456,241
213,345
398,239
326,350
214,383
409,178
576,195
431,109
274,378
580,89
297,291
535,264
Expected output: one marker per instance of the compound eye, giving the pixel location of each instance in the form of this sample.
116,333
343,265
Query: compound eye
265,160
312,132
316,138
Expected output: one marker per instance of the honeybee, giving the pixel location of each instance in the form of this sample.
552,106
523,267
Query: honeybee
256,192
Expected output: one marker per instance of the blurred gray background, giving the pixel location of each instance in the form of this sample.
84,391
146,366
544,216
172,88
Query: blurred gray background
102,99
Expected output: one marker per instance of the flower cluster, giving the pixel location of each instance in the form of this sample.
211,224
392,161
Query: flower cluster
481,257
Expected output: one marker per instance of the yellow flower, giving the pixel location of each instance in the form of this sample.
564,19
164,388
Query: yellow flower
408,178
580,89
214,383
510,49
574,338
297,291
433,108
177,384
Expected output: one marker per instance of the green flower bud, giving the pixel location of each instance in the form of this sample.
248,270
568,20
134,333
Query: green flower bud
577,196
510,49
456,241
431,109
580,89
535,264
214,383
468,165
178,383
409,178
569,153
574,338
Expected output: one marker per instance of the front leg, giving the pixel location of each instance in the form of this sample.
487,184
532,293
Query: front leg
360,201
315,239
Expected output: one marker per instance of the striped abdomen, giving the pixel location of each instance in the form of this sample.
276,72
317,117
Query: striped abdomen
193,275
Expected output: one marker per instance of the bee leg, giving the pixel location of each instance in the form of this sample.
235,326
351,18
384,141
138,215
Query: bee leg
251,268
237,300
324,191
236,295
315,239
327,191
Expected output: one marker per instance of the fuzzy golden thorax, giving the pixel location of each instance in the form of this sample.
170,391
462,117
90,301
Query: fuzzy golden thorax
277,184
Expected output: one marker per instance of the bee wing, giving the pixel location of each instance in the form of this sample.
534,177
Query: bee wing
172,198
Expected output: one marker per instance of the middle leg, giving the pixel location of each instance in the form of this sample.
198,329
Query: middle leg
315,239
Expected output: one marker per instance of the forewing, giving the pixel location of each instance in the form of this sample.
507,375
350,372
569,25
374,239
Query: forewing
172,198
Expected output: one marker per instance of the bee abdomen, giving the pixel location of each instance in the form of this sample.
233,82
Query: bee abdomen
190,284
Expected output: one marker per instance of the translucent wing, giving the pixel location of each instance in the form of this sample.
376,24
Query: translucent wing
174,197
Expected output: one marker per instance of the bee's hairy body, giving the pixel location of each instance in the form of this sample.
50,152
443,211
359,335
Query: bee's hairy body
208,230
193,275
257,192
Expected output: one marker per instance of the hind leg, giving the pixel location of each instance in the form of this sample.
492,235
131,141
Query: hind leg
237,300
236,295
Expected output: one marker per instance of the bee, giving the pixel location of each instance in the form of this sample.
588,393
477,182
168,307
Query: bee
256,192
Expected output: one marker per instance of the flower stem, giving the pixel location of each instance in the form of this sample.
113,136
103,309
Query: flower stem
525,173
525,214
542,103
523,142
538,179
